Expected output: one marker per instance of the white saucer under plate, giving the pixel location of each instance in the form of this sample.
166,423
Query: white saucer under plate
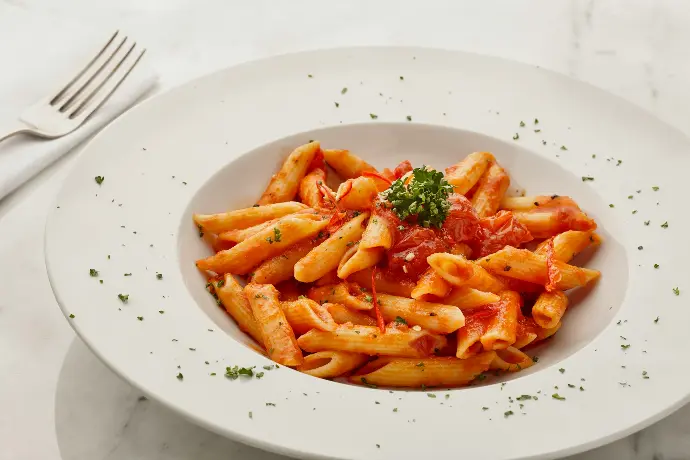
212,144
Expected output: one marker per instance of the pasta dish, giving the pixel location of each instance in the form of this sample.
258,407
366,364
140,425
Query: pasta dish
410,277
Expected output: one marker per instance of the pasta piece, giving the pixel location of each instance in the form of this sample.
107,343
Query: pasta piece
568,244
231,296
289,290
527,203
426,372
490,190
434,317
512,360
328,278
281,267
356,260
341,315
309,192
346,164
268,243
399,287
245,218
330,364
526,332
468,298
358,193
501,332
431,284
352,296
543,334
284,184
239,235
549,308
547,222
459,271
528,266
279,338
378,234
326,256
305,314
464,175
469,336
517,285
369,340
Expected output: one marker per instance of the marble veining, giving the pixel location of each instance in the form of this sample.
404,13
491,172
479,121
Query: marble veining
57,400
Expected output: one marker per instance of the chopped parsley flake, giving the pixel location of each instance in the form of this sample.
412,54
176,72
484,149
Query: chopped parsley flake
343,91
140,318
485,408
611,206
656,320
409,118
160,277
656,265
586,178
508,413
93,272
522,124
570,385
563,147
536,121
431,395
259,375
180,376
630,197
524,397
234,372
271,404
370,385
128,274
646,222
276,234
400,320
516,137
639,248
373,116
655,188
71,315
625,346
557,396
123,297
337,104
251,415
619,162
664,225
644,375
676,291
561,370
99,179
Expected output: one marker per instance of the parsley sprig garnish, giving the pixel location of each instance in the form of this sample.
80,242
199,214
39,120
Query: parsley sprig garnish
426,197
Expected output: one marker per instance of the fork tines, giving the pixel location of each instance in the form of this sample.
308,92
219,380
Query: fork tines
92,87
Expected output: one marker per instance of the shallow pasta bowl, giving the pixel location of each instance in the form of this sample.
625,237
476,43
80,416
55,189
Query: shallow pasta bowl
152,322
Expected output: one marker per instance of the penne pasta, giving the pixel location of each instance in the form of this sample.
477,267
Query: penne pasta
305,314
431,284
433,317
371,341
309,192
358,259
279,338
501,332
281,267
349,295
284,185
346,164
547,222
341,315
468,298
245,218
330,364
425,372
231,296
378,234
265,244
490,190
549,308
528,266
527,203
465,174
461,272
358,193
568,244
239,235
512,360
400,287
326,256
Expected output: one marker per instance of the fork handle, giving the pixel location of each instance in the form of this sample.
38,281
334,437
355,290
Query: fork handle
14,128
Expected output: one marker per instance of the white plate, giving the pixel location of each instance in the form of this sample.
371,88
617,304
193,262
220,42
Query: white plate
187,150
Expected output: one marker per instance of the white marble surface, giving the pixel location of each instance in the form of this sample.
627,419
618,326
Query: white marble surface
57,401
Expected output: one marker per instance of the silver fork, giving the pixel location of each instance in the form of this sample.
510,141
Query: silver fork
63,112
